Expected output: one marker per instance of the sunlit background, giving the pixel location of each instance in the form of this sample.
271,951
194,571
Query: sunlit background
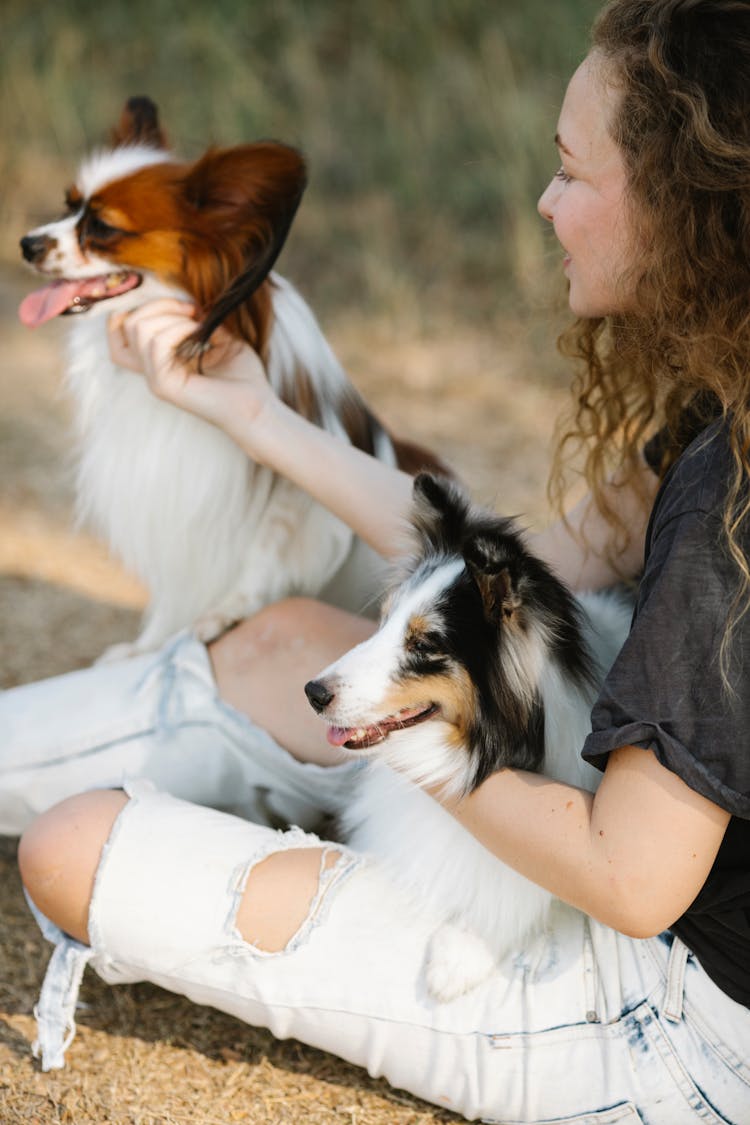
428,126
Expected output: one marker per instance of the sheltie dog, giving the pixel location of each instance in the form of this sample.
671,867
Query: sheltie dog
212,535
483,659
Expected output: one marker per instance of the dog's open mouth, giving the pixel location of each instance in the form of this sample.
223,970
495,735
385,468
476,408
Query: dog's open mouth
360,738
63,297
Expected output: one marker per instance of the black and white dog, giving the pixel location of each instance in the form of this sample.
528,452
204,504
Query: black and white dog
483,659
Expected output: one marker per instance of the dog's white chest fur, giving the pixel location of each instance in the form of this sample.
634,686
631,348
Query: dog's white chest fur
212,535
482,908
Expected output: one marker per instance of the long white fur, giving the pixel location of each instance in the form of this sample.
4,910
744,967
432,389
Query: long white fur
212,535
482,908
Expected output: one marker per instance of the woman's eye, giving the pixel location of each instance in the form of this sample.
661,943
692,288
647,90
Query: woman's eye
563,176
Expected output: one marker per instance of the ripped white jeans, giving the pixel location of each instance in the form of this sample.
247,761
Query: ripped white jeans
583,1025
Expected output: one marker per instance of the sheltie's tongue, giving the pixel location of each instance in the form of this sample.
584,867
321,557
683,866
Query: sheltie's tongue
64,296
359,738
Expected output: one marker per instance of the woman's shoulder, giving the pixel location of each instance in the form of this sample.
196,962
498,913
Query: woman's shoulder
700,478
685,540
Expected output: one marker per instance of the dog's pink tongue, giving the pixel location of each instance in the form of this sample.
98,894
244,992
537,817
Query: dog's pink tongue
48,302
337,736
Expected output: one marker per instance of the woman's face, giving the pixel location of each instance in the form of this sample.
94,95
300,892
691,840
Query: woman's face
585,200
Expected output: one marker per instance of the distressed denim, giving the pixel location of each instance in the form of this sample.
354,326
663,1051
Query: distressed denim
583,1025
159,717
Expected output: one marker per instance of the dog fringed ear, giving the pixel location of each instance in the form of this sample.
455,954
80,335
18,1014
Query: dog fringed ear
139,125
489,566
253,191
439,512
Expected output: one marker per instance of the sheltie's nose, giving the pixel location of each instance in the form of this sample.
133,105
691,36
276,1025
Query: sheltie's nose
35,246
318,694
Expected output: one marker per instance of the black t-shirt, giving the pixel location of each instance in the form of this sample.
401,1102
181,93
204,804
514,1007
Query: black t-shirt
665,691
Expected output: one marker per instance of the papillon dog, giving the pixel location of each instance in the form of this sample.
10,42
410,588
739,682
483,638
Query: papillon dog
483,659
212,535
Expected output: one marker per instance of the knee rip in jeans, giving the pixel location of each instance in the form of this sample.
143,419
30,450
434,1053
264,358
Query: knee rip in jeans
282,896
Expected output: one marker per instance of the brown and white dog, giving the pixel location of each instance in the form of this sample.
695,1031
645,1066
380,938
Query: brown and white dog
212,535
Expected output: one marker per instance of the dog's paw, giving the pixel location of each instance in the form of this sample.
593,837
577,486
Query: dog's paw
231,610
457,961
212,625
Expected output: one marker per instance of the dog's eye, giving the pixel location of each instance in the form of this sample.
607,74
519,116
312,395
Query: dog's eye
421,644
97,229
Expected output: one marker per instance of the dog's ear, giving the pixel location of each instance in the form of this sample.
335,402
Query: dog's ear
490,565
139,125
252,192
439,513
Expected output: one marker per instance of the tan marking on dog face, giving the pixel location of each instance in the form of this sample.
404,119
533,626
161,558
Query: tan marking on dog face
418,628
453,692
115,217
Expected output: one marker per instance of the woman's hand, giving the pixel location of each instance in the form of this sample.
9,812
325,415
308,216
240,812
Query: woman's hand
231,391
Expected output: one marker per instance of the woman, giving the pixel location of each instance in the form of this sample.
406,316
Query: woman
637,1008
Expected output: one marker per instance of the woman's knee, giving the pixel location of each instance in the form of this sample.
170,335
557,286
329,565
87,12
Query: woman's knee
294,625
59,854
262,665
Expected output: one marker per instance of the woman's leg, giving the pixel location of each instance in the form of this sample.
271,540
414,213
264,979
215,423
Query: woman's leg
286,932
197,723
59,855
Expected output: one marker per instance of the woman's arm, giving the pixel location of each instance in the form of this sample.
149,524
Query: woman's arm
634,855
372,498
579,547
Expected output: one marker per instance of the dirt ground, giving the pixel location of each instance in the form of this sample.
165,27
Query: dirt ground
142,1056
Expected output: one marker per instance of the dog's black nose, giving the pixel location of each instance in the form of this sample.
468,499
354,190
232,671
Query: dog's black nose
318,694
35,246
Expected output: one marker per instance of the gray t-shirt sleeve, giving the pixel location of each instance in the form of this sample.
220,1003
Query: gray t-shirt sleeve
665,690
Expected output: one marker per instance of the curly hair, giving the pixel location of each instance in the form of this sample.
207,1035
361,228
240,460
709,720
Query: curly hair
681,70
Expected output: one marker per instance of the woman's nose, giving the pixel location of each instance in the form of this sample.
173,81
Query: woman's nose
546,203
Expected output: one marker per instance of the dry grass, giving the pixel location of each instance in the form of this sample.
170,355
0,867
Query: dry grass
142,1056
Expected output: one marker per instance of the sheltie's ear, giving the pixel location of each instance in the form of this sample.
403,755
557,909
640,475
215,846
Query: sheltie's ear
490,566
139,125
440,512
249,195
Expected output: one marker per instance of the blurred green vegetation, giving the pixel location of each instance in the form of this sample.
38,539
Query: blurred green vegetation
428,125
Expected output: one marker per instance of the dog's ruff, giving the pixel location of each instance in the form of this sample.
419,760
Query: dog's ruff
549,649
212,535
